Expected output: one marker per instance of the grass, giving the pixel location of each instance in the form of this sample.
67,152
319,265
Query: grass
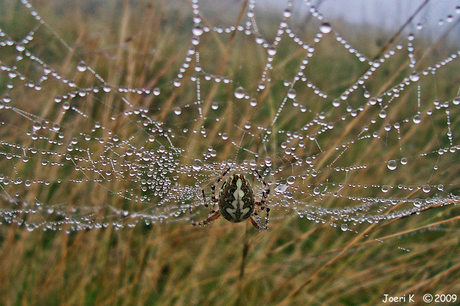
301,260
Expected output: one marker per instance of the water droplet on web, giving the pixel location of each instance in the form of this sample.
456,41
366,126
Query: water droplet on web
382,114
57,99
81,66
417,119
426,188
177,111
247,125
414,77
20,47
271,51
287,13
336,103
392,165
36,126
291,180
385,188
456,101
197,30
214,105
404,161
292,93
316,191
197,165
325,28
239,92
281,188
253,102
7,98
344,227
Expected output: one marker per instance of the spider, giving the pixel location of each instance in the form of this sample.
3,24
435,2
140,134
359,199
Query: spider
236,201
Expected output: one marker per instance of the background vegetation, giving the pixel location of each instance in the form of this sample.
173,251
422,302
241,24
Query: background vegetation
297,261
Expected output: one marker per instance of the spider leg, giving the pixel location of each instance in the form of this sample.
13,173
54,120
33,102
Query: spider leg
206,202
214,213
266,191
262,202
211,218
257,225
262,208
213,186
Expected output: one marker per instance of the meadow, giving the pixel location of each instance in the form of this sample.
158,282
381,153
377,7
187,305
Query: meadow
301,259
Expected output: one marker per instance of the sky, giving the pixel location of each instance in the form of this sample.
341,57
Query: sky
389,14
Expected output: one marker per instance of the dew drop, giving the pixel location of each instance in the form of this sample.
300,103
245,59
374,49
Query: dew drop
214,105
177,82
271,51
291,180
383,114
197,165
325,28
281,188
426,188
287,13
456,101
197,30
253,102
7,98
81,66
36,126
404,161
291,93
414,77
106,88
417,119
392,165
385,188
177,111
20,47
239,92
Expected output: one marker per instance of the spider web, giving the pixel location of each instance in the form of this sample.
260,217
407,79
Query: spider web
100,130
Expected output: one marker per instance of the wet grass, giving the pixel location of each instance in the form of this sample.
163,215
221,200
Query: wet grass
295,262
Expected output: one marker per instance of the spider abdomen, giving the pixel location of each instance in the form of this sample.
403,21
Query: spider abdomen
236,199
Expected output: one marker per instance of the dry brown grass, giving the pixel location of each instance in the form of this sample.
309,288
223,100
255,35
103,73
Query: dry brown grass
295,262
